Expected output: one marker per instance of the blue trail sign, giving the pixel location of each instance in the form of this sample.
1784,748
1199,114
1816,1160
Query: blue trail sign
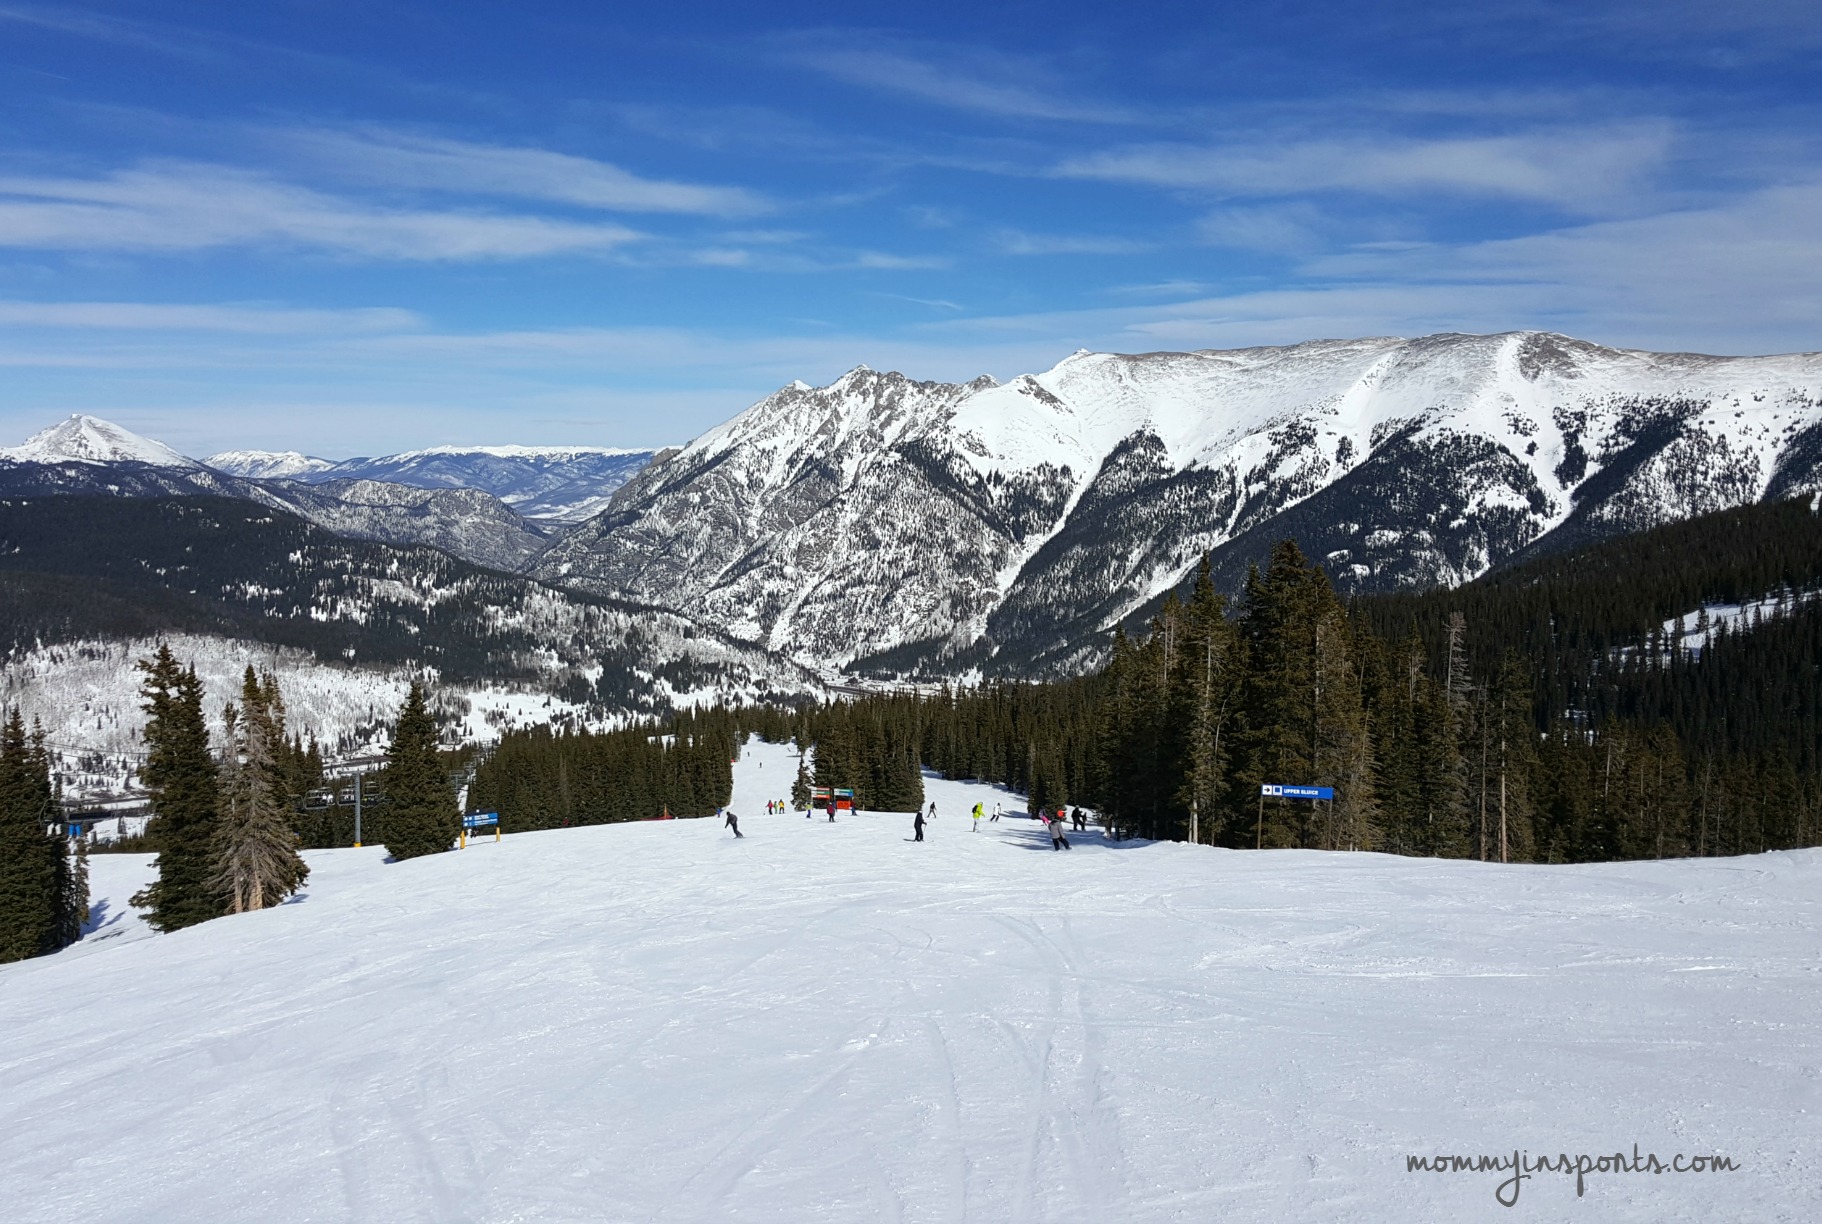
475,820
1271,790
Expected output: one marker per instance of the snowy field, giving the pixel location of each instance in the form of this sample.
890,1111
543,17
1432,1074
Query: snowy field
656,1022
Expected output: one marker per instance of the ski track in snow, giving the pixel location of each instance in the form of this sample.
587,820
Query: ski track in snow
659,1023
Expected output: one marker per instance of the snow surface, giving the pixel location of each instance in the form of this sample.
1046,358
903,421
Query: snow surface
87,439
86,696
657,1022
1690,634
266,465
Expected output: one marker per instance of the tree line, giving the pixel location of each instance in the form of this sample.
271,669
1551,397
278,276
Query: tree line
225,820
1544,713
545,778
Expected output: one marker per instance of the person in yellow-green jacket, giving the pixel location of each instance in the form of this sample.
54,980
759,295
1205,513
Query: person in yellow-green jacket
977,818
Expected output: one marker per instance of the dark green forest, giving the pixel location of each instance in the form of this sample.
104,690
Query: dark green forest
1538,714
226,566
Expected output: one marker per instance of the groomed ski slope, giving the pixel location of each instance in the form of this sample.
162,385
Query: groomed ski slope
656,1022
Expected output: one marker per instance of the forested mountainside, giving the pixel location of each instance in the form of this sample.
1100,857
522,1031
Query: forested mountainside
472,525
105,568
1711,627
898,526
1655,695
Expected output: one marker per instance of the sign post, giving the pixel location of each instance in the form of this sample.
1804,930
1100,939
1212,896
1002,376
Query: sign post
841,796
1277,790
476,821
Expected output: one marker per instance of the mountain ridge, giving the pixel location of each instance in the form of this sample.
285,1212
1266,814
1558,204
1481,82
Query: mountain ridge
948,526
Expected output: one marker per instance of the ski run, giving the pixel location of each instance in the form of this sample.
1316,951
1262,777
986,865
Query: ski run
830,1022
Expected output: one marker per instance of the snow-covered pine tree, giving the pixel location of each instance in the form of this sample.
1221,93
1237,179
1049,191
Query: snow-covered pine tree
421,816
181,775
73,908
256,850
31,857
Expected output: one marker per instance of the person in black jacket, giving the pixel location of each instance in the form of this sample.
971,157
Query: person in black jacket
733,822
917,824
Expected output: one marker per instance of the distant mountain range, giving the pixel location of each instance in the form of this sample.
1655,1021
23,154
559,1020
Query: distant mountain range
555,484
889,526
494,506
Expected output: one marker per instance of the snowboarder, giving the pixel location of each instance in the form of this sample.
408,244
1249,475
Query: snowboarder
917,825
1055,824
977,818
1075,820
831,811
733,822
933,809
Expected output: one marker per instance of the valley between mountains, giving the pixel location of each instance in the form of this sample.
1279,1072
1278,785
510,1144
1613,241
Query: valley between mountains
882,528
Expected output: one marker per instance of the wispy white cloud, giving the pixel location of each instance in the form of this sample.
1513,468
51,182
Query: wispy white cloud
888,261
171,206
1584,169
1293,227
1022,242
159,316
393,158
100,27
976,81
1734,277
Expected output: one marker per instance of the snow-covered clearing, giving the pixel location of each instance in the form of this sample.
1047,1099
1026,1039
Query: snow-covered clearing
656,1022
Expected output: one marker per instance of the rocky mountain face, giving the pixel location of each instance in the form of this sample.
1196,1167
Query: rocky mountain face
881,523
553,484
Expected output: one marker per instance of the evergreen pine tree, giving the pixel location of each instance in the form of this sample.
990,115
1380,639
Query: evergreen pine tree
32,858
421,816
800,786
181,776
256,849
1204,701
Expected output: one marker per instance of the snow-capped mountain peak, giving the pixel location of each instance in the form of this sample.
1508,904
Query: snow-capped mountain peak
87,439
267,465
941,524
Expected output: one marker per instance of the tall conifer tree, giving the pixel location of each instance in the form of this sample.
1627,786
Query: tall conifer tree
181,776
421,816
256,849
35,893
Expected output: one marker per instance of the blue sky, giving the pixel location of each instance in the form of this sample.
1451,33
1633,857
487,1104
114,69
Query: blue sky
357,228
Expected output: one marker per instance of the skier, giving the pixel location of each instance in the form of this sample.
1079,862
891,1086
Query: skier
1075,820
933,809
977,818
917,825
996,813
1057,823
831,809
733,822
